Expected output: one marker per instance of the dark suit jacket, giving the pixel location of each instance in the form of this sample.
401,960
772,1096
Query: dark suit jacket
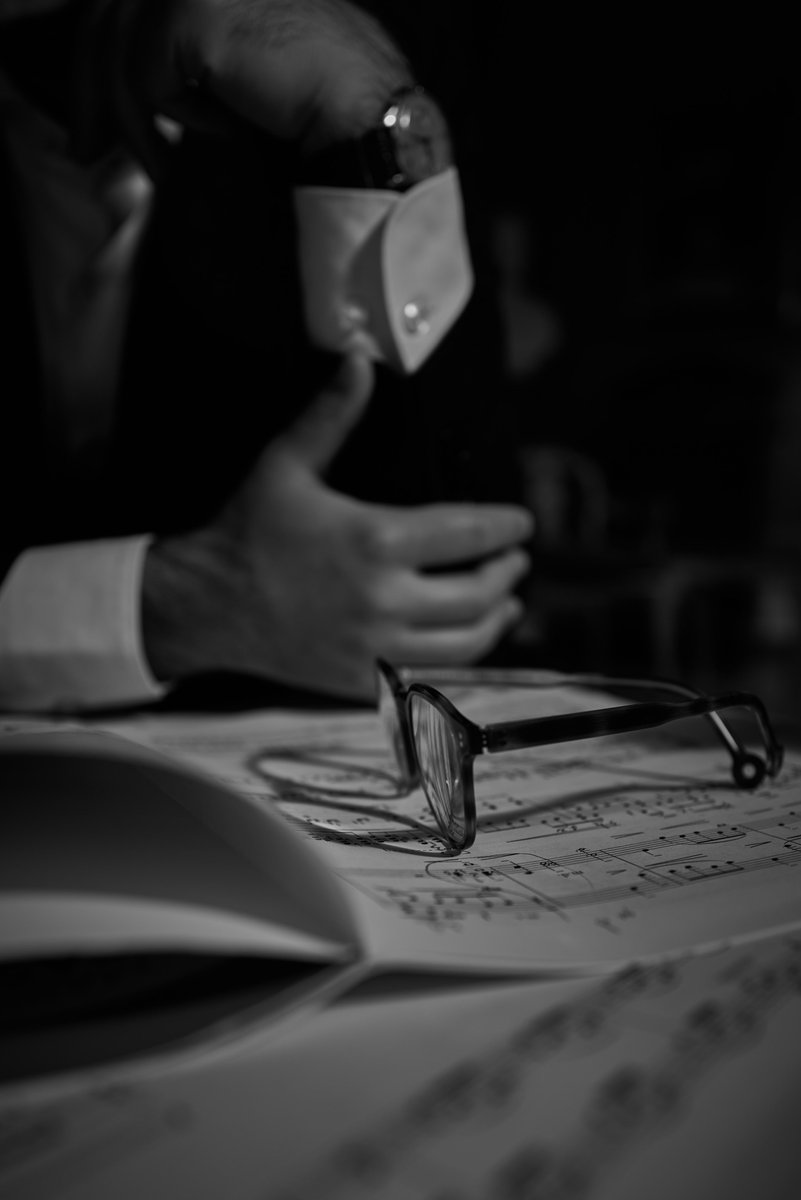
216,362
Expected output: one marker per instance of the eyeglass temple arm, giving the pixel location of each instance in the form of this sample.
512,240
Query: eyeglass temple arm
748,769
735,748
542,678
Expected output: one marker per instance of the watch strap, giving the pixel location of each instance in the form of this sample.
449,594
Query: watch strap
408,144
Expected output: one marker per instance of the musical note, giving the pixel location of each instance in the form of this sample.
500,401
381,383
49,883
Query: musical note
569,836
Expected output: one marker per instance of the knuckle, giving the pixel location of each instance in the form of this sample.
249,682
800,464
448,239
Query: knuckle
377,541
388,597
475,532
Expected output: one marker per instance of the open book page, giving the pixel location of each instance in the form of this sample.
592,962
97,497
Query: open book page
588,854
674,1079
109,847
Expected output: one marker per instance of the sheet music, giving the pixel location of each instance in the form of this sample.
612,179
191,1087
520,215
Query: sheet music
681,1078
588,853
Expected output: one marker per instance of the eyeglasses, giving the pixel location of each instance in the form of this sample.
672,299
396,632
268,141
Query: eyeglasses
435,745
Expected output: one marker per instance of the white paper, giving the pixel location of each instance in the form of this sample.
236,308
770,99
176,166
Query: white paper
588,854
678,1079
106,846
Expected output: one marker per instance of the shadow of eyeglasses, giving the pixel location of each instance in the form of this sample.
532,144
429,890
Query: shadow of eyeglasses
286,769
282,770
291,788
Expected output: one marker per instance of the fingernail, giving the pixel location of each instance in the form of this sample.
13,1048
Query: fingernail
523,564
525,525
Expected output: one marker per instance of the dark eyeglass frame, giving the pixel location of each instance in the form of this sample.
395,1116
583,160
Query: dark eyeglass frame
748,769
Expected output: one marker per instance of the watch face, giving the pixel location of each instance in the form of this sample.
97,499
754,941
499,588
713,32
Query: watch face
419,135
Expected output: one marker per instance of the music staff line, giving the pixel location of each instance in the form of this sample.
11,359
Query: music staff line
452,903
503,884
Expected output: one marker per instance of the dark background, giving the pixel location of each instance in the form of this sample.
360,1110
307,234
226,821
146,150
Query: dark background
643,182
633,192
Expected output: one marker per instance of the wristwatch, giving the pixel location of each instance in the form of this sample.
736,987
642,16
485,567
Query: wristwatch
410,143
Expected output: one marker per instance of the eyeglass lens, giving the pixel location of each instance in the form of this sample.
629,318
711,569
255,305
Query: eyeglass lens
392,722
440,761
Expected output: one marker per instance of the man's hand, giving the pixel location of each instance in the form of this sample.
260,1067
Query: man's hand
301,584
310,73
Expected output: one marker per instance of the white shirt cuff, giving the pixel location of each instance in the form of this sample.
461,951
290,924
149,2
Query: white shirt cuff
70,628
384,273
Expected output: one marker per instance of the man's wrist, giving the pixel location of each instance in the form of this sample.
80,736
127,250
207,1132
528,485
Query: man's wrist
187,593
407,143
165,593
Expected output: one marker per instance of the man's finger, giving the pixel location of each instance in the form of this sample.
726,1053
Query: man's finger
453,644
322,429
458,597
441,535
317,72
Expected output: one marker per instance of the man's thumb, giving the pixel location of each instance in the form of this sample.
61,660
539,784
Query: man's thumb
323,428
